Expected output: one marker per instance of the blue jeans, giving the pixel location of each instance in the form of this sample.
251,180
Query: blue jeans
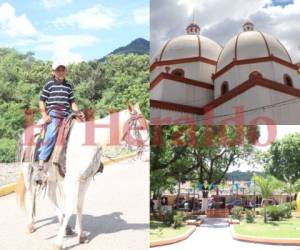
50,136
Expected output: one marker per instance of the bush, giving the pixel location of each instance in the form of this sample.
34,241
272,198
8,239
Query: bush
236,213
285,210
250,216
275,212
168,218
8,148
178,219
293,205
279,211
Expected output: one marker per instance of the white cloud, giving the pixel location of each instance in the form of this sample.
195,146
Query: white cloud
96,17
141,16
62,46
169,18
55,3
13,25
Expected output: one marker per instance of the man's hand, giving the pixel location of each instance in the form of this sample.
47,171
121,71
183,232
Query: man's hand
81,115
46,118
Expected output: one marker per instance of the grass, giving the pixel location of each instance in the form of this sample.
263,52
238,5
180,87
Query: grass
288,228
158,231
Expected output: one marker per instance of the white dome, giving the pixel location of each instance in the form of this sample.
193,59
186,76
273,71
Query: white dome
251,44
189,46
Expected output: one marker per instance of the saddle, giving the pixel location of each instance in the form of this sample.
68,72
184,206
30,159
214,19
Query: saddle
58,156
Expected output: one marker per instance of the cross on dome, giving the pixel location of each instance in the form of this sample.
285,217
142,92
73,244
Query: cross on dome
248,26
193,29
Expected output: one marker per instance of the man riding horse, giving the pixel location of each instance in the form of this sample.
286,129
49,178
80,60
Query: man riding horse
56,103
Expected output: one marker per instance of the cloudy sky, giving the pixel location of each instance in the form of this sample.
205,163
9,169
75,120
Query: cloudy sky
73,29
222,19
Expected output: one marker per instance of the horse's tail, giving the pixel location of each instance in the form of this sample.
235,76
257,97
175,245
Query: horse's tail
21,190
19,151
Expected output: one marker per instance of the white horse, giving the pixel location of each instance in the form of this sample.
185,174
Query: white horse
84,151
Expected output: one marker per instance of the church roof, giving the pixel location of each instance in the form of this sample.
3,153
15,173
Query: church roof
191,45
251,44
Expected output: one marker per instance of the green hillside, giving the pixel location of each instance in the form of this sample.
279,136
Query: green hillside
241,176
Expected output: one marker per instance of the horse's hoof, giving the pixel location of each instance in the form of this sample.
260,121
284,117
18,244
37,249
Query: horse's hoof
30,228
69,231
57,247
82,238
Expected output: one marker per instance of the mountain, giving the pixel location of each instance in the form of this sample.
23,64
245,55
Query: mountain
138,46
242,176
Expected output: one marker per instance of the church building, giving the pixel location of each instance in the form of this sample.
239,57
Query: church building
251,80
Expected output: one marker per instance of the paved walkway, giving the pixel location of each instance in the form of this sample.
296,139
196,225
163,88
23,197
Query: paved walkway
214,234
115,214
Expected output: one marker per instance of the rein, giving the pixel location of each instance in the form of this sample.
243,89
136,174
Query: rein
132,125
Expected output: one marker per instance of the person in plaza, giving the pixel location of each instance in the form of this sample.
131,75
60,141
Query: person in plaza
57,101
151,206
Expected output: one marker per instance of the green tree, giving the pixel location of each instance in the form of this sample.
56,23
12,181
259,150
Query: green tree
266,186
97,85
198,153
283,159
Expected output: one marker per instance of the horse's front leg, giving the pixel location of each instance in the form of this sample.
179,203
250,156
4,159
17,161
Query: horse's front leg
29,196
30,205
53,199
82,188
52,187
70,195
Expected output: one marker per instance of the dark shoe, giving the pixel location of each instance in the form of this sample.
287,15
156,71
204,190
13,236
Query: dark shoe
69,231
101,167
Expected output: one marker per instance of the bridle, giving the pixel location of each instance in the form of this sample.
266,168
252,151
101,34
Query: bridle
133,143
135,123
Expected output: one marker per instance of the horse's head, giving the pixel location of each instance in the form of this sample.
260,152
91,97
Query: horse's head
134,127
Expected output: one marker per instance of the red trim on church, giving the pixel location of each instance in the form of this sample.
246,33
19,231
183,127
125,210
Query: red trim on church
253,81
254,60
163,50
182,60
179,79
267,45
175,107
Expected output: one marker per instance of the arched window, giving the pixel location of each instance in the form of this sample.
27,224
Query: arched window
178,72
288,80
255,75
224,88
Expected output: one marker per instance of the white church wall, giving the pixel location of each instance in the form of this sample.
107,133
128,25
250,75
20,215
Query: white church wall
164,116
259,97
177,92
156,92
197,71
281,70
155,72
240,73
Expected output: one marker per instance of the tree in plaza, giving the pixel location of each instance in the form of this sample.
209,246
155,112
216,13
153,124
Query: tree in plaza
164,161
283,158
199,152
290,188
266,186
